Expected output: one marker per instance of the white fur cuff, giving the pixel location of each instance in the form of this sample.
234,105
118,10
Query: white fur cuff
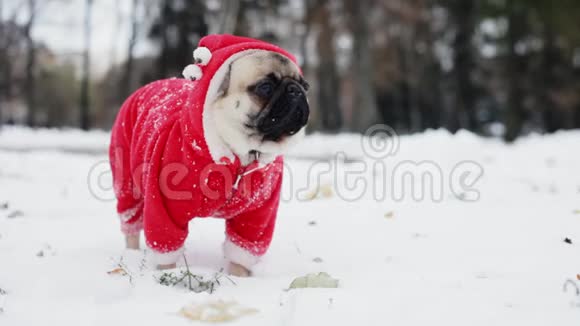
239,255
166,258
132,228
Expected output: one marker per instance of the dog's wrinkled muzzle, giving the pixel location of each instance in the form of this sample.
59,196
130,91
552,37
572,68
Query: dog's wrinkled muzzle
286,113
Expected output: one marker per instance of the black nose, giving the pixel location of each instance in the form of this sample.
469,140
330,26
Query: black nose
286,116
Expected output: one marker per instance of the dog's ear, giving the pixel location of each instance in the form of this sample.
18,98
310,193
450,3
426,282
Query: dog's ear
225,85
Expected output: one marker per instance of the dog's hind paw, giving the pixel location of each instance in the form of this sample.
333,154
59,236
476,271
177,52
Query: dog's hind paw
238,270
132,241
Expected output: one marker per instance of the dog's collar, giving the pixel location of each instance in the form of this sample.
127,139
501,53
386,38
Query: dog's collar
262,159
254,155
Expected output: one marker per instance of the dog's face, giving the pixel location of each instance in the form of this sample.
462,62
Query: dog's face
261,108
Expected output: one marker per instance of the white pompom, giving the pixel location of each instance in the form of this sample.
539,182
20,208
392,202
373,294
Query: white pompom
192,72
202,55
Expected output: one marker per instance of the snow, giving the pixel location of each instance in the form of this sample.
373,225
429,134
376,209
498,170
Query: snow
498,258
71,140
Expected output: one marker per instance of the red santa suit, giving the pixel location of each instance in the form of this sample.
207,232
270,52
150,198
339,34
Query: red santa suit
169,164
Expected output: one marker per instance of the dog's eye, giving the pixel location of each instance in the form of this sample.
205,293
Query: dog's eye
264,89
304,84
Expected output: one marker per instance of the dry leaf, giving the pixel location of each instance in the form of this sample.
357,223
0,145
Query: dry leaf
326,191
216,311
311,195
320,280
578,277
15,214
322,191
390,214
117,271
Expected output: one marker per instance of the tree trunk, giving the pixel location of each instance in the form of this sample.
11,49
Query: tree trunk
548,80
84,96
405,87
116,31
428,86
30,66
128,76
2,65
365,112
229,17
307,23
165,47
515,68
328,81
577,117
464,13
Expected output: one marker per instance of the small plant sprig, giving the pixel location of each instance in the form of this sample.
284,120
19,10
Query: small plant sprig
576,290
573,285
2,293
143,263
122,269
193,282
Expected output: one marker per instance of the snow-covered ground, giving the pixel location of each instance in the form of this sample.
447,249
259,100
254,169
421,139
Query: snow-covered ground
485,246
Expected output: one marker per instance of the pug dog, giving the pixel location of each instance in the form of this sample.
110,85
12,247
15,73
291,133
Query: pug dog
237,119
262,107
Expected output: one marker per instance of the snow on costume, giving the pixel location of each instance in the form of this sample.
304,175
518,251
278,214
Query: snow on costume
170,165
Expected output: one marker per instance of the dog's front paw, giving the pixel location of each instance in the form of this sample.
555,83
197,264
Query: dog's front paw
132,241
238,270
166,266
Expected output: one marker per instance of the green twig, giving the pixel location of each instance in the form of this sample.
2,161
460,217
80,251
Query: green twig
195,283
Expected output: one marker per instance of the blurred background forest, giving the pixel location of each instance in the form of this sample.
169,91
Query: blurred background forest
499,68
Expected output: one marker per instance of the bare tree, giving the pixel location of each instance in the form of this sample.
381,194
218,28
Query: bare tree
2,62
161,32
327,75
177,29
127,78
464,14
515,69
30,65
13,40
116,30
84,96
364,108
228,16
